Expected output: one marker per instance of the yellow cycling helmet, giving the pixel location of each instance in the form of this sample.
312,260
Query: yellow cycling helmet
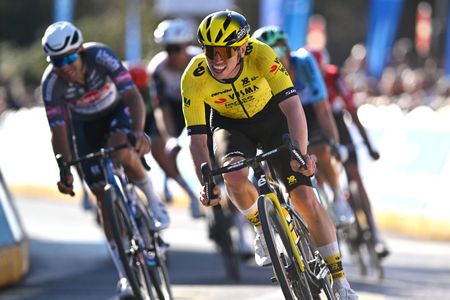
223,28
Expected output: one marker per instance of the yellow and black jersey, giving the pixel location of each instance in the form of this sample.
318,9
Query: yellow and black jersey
262,78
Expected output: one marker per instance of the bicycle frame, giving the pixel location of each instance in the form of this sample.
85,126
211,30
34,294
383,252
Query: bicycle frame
262,183
264,189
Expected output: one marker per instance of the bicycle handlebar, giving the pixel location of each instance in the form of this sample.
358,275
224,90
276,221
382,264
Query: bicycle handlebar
64,167
208,174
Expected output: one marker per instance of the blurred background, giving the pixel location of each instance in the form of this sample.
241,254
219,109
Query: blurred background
405,40
394,54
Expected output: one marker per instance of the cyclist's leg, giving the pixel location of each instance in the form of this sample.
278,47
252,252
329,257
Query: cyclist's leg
232,145
329,167
319,224
89,139
305,201
120,125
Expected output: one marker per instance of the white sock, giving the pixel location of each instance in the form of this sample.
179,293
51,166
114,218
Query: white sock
146,187
329,250
251,214
112,247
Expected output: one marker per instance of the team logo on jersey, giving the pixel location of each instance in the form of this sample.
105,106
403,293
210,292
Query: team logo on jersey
249,48
291,180
262,181
245,92
200,70
186,101
245,81
106,59
122,77
220,100
52,111
273,68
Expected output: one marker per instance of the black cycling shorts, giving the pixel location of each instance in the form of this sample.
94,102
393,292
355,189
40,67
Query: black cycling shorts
92,135
242,137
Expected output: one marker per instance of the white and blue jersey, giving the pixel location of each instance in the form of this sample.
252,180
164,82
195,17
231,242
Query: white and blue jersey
308,80
311,88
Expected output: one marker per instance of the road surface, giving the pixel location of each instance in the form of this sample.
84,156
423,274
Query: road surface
69,262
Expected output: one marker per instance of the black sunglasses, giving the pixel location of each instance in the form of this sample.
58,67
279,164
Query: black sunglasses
174,48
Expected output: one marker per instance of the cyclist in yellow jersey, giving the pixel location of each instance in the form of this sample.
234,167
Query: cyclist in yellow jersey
253,104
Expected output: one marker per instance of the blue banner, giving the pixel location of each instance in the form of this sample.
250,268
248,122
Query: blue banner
133,31
447,46
382,29
270,12
63,10
295,21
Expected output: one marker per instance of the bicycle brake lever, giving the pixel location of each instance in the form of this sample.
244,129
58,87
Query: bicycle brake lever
295,153
208,182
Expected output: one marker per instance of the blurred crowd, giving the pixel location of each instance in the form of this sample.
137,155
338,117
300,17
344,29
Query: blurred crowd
408,81
15,93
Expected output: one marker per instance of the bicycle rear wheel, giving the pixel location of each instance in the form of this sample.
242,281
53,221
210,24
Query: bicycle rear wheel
364,238
292,280
131,256
156,252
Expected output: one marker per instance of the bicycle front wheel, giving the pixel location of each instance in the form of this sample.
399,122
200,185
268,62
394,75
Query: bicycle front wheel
156,249
130,254
292,280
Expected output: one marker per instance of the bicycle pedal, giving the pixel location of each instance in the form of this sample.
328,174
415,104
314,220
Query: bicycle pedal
274,279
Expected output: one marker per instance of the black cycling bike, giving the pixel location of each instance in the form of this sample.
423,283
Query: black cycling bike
298,267
357,236
141,248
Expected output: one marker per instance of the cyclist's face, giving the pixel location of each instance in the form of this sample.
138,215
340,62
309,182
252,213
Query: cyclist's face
282,50
223,62
68,66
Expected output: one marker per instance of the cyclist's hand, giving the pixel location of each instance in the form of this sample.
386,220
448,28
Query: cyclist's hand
142,143
310,166
212,202
374,154
66,186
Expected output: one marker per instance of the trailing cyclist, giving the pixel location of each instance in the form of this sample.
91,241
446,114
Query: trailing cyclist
104,105
308,80
253,102
341,101
165,69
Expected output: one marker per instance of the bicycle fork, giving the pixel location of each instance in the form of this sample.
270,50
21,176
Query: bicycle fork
288,225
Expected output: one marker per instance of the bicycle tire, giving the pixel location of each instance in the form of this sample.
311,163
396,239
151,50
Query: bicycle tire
132,259
364,237
220,232
159,273
293,282
321,280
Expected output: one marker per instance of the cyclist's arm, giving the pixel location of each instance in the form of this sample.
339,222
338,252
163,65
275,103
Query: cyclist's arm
296,119
199,150
60,141
326,119
61,145
165,121
163,112
135,103
364,135
351,107
310,72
